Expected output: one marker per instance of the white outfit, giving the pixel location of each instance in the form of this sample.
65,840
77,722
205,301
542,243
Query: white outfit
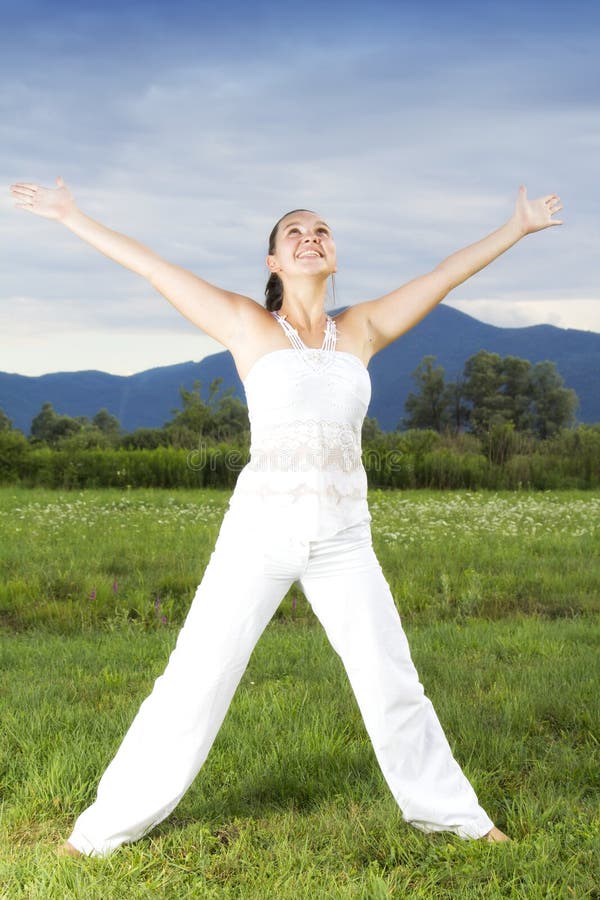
298,513
306,408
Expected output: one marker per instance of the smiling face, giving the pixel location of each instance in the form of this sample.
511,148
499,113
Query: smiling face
303,245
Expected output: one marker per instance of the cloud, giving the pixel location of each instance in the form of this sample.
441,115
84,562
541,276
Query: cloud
583,315
127,352
411,141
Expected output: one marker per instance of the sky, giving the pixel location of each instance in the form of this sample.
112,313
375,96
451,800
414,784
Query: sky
192,127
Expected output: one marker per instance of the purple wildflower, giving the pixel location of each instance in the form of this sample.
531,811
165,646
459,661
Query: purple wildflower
163,620
115,586
157,604
93,594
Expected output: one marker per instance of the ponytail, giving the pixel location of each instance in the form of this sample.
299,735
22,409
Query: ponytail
274,292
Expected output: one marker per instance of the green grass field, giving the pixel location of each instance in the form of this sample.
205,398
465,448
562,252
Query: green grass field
499,597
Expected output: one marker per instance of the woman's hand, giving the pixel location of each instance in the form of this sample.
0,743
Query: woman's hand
534,215
51,203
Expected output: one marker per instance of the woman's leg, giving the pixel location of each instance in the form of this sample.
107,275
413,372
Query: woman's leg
176,725
347,589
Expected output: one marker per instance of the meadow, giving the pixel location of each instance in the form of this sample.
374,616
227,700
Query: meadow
499,596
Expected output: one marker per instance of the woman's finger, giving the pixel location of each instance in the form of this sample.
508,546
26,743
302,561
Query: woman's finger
22,192
25,184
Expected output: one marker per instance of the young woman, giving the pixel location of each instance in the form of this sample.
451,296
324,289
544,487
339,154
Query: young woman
298,513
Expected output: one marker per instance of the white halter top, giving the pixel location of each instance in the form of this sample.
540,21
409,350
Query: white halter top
305,477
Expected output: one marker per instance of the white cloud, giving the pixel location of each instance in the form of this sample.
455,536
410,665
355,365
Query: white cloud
583,315
410,146
114,351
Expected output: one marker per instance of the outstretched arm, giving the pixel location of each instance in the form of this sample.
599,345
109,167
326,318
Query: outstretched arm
387,318
217,312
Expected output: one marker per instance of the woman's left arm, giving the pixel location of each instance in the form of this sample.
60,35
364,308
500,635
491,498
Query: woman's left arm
388,317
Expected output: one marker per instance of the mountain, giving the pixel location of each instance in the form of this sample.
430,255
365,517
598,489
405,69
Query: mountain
148,398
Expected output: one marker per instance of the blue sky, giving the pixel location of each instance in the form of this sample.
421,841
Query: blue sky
193,126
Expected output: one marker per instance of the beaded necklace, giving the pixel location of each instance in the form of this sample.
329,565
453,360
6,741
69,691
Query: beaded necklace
317,358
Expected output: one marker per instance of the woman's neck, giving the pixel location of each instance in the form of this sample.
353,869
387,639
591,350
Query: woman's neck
304,305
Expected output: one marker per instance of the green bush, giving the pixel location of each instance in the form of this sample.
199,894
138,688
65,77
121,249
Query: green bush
412,459
166,467
14,450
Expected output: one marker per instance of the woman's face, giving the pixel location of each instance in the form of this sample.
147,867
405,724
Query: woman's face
304,246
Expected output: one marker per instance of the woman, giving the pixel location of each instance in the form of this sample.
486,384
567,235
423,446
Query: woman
298,513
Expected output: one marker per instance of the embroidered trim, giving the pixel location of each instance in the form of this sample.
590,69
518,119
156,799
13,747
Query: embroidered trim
306,444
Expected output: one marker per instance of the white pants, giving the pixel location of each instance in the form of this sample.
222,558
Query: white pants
247,576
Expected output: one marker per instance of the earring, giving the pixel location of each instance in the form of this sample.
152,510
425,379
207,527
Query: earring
327,306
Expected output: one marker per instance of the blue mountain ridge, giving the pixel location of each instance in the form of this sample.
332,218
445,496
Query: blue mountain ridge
148,398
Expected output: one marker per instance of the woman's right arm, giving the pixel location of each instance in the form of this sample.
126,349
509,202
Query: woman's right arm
217,312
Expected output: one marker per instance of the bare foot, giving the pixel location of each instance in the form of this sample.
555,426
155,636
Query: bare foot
68,849
495,836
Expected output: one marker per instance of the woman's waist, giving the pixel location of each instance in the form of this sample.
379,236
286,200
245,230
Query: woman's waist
310,504
302,484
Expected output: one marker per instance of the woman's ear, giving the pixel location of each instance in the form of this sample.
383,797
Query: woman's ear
272,264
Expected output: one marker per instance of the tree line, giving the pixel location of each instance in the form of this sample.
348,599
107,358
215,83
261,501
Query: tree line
505,423
493,391
221,417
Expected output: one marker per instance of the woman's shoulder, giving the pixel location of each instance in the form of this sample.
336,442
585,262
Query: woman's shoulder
258,333
354,334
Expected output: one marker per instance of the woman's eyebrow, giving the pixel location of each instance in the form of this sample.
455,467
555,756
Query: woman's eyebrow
291,224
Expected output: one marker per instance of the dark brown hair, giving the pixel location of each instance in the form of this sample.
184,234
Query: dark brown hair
274,288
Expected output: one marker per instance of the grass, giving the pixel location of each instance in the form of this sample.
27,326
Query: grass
291,802
75,560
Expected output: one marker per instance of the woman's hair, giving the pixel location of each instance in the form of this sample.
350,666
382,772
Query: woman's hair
274,288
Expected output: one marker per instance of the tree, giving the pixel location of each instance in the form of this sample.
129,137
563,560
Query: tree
429,407
482,388
144,439
371,429
106,422
458,411
554,405
6,424
510,391
516,388
190,422
229,420
50,428
14,448
42,425
220,417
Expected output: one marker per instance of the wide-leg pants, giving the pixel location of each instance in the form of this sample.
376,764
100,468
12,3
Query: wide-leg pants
248,574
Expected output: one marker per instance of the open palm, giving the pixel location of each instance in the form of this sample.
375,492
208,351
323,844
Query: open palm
51,203
533,215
